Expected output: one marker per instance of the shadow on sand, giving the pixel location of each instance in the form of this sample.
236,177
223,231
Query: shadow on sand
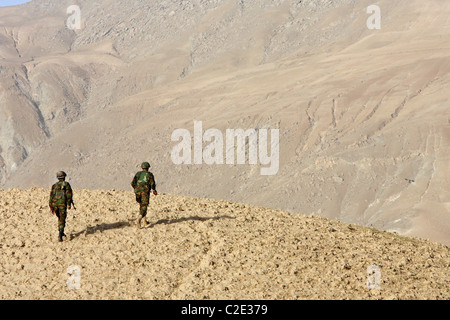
123,224
195,218
101,227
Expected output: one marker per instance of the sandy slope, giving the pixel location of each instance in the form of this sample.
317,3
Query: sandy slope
204,249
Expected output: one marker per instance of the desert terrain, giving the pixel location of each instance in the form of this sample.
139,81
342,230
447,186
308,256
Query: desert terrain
203,249
364,149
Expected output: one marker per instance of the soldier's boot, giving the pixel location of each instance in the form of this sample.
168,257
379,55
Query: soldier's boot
145,222
60,239
138,223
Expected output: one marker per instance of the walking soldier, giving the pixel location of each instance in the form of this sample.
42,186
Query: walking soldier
60,201
143,183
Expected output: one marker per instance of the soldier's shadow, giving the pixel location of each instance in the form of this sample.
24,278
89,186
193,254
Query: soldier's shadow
101,227
195,218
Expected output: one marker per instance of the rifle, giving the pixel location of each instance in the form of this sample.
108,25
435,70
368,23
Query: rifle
73,204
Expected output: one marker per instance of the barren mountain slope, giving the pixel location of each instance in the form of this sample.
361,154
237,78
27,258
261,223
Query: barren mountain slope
204,249
363,114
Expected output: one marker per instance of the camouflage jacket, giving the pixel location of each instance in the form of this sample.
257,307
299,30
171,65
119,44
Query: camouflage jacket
143,181
61,195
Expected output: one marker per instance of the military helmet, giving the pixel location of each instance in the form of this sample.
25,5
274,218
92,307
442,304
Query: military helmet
61,175
145,165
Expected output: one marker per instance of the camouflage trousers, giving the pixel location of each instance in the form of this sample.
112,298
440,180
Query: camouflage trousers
143,198
61,213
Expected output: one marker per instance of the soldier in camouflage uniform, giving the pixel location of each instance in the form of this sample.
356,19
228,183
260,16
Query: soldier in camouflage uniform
60,201
143,183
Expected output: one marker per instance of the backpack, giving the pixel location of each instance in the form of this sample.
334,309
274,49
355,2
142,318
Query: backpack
144,178
59,193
